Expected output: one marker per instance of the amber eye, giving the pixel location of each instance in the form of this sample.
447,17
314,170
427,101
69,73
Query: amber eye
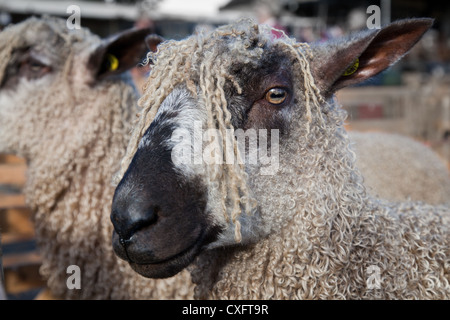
33,68
32,64
35,65
276,96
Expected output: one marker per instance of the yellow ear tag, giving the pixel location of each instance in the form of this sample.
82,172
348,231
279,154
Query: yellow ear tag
352,69
113,62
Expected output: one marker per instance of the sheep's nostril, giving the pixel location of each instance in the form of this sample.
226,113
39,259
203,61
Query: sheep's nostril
155,212
144,220
127,224
152,217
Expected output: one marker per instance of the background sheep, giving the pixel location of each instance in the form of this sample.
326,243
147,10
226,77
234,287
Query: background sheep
64,107
396,167
309,229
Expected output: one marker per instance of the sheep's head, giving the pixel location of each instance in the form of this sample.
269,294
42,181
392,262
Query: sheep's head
222,114
46,69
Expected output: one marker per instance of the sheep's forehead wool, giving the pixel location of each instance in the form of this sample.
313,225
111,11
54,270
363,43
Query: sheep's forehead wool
202,64
48,37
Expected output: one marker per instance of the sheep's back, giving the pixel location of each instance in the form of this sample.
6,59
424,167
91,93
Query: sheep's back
398,168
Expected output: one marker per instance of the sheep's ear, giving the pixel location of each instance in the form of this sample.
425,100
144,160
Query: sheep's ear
118,53
152,41
361,56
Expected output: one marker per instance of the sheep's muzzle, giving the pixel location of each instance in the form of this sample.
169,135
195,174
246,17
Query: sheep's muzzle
159,218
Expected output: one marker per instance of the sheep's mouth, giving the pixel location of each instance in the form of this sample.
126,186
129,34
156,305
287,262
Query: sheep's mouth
170,266
142,258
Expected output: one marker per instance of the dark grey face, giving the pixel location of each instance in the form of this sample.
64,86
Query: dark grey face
161,232
163,213
159,215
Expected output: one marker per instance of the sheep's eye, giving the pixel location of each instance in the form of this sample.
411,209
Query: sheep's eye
32,65
35,65
276,96
33,68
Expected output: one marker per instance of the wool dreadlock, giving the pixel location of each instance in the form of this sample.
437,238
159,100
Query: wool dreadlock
201,63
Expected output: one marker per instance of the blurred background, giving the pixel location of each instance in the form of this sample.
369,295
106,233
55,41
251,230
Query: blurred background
411,98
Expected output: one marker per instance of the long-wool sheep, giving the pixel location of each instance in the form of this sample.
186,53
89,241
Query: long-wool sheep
307,230
396,167
65,108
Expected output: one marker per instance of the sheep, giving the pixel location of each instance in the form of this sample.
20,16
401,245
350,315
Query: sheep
396,167
67,108
296,224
